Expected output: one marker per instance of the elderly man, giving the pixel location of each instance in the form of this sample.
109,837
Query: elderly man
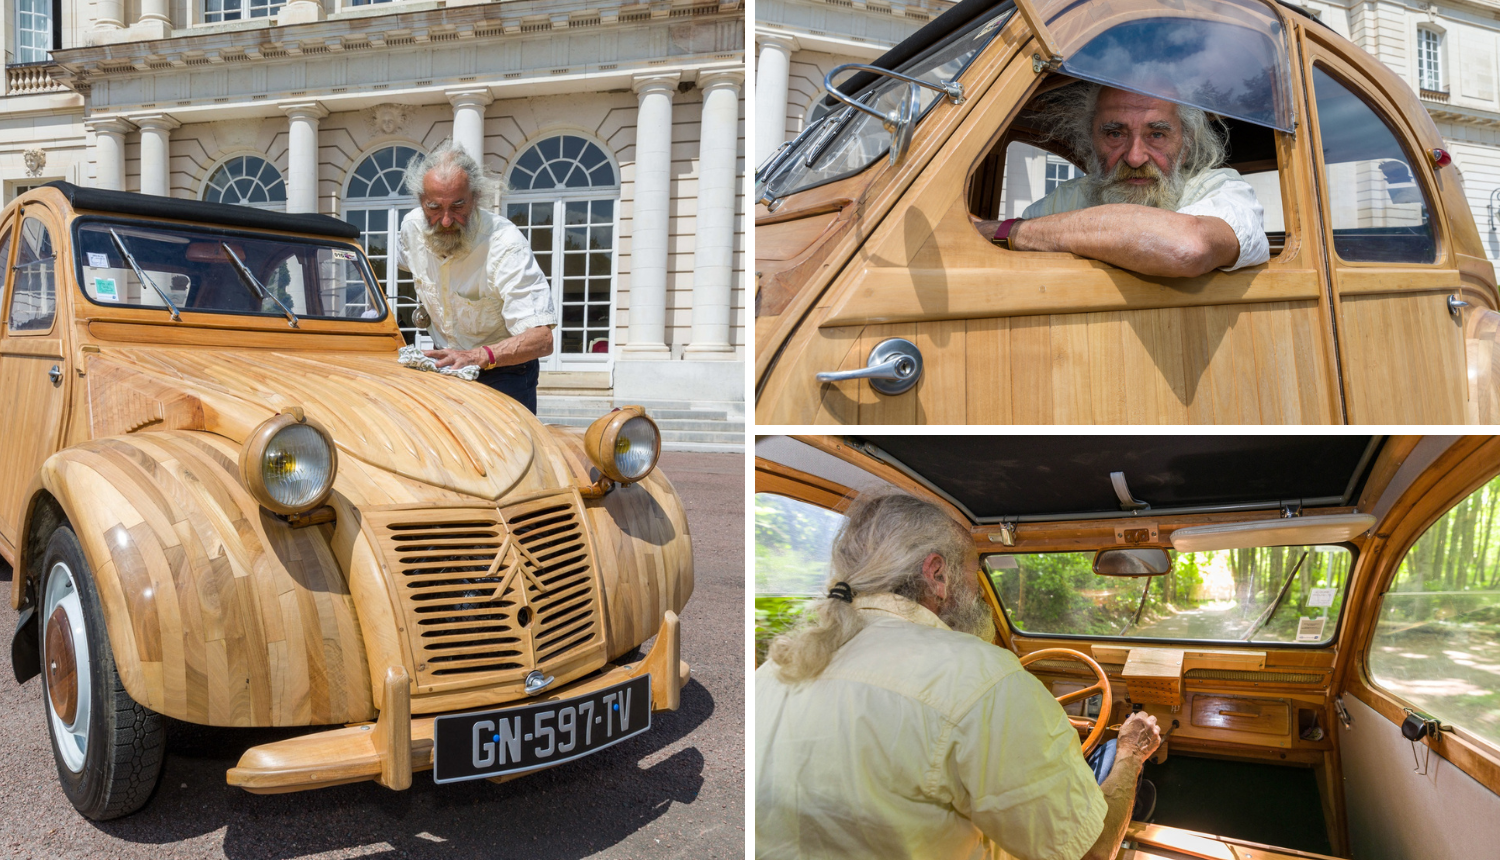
488,302
1154,200
891,727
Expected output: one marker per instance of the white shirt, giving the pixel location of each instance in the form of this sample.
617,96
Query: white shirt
918,741
1219,192
493,292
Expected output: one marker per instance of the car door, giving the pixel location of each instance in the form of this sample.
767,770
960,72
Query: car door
1036,338
33,371
1393,264
1426,638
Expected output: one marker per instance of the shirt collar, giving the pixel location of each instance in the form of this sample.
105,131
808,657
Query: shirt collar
894,604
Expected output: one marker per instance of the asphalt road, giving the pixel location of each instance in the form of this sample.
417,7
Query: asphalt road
677,791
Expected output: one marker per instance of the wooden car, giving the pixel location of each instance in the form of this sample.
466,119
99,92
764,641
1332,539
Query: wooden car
1313,620
879,302
226,502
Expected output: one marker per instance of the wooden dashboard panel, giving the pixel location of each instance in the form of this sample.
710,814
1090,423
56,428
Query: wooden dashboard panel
1265,716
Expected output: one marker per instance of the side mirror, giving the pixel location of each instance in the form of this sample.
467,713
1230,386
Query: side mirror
1146,561
903,120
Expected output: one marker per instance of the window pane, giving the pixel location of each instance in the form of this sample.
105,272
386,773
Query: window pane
793,544
1264,594
1437,643
1377,207
33,301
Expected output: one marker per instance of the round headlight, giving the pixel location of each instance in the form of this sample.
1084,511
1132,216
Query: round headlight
288,464
624,445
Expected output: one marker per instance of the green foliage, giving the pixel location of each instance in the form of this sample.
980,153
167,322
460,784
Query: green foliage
774,616
793,542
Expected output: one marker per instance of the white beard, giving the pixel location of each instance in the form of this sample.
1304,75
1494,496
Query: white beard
966,611
452,243
1164,193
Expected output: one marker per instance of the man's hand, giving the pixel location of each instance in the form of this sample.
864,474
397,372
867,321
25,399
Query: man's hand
1139,736
457,357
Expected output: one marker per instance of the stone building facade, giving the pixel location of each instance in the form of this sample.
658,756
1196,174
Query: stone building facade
618,125
1448,52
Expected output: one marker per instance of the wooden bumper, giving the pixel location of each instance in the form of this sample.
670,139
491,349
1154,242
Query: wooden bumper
389,750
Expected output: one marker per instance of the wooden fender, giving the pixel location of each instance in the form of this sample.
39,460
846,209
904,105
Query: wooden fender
218,613
642,546
1482,342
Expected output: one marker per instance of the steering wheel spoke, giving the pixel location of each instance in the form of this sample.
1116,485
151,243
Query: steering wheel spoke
1092,728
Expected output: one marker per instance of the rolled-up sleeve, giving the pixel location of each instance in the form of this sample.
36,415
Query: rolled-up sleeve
1235,203
515,278
1028,786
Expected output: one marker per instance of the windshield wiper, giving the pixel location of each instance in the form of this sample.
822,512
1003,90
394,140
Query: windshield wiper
823,143
1280,596
255,286
141,274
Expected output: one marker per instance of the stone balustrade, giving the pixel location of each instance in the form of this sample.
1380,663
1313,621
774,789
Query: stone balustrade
28,79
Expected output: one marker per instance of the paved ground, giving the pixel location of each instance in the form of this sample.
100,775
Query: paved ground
678,791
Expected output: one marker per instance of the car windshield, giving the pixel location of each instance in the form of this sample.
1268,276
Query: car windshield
1227,57
839,142
311,278
1282,594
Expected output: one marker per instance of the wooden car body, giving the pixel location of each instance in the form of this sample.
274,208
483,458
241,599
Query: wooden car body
1230,701
1032,338
128,427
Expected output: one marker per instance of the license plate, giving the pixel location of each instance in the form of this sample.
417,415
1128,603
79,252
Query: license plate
490,743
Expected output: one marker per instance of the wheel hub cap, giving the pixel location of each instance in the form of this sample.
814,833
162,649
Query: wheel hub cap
62,666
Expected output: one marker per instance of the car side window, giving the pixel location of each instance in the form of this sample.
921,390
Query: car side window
793,546
1377,208
5,261
1437,642
33,301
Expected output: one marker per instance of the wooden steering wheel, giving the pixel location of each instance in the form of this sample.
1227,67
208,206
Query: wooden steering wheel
1093,728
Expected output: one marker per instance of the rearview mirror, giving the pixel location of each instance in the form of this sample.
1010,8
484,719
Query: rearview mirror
1146,561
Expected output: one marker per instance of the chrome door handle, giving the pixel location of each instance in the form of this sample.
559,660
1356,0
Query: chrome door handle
894,366
1456,305
55,374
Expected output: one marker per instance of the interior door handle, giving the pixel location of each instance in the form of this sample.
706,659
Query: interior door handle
55,374
894,366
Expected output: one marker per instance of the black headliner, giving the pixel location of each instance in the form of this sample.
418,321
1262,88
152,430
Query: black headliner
1011,476
222,214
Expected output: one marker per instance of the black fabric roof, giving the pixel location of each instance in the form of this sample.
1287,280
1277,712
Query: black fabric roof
932,33
220,214
1058,476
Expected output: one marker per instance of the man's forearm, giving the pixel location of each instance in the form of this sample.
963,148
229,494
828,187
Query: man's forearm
531,343
1119,799
1139,238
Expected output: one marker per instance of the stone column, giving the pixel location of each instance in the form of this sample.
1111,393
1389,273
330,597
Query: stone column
771,76
109,151
156,155
109,14
155,21
468,120
302,155
647,335
713,250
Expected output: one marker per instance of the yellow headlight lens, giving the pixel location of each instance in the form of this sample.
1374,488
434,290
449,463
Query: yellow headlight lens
297,466
635,448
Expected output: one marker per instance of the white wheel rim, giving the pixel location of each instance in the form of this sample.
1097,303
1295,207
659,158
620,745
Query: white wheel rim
72,738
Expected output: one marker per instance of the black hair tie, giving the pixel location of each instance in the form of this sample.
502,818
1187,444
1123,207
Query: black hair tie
841,591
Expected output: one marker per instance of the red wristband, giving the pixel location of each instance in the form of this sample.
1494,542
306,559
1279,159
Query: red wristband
491,355
1002,233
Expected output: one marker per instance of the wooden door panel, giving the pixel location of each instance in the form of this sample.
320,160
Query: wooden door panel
33,417
1404,359
1217,364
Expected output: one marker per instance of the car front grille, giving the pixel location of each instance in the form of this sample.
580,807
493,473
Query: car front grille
473,619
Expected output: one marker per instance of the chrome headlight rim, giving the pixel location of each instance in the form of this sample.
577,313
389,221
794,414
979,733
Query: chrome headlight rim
604,433
252,456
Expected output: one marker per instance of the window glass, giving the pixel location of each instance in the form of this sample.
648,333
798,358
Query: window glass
793,546
217,11
1437,643
1378,210
33,304
247,181
1266,594
33,30
1429,67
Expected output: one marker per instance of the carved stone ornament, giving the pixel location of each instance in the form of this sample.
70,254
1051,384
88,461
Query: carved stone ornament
36,161
387,118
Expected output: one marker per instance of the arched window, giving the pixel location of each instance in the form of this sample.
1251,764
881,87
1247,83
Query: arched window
247,180
566,192
375,202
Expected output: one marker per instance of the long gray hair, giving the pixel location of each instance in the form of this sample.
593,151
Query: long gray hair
450,157
1068,117
880,549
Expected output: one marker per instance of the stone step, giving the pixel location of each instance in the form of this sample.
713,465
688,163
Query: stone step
705,447
657,415
672,437
676,424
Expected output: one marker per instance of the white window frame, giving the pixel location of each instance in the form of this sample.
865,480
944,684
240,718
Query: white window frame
396,206
271,206
26,23
1429,59
241,10
1057,161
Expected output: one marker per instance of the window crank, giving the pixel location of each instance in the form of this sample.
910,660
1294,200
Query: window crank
894,366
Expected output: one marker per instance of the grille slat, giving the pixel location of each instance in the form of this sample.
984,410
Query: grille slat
440,573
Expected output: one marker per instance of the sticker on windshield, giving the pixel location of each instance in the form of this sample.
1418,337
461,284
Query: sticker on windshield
98,261
104,289
1310,629
344,255
1320,597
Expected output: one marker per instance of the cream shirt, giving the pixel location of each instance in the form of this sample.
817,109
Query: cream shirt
918,741
1220,193
493,292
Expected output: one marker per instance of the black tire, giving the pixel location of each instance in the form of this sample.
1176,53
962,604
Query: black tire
125,742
